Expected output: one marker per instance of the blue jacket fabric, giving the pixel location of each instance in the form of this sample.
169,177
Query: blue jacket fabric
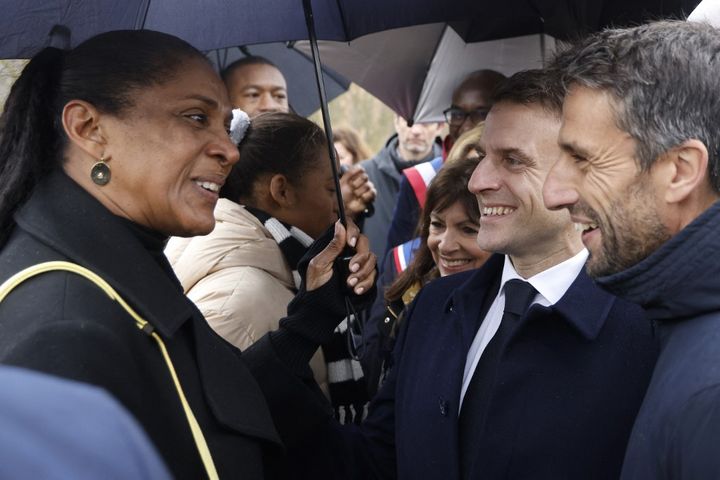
58,429
677,432
571,381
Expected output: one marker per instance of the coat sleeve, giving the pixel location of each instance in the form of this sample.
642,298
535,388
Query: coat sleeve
405,217
692,448
242,304
83,350
316,443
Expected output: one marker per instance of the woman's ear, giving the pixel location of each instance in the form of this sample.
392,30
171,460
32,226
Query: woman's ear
81,122
282,191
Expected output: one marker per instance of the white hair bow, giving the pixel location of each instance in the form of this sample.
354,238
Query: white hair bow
239,125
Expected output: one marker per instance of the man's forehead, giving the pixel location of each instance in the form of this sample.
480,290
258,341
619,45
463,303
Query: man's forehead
258,74
511,126
471,95
585,108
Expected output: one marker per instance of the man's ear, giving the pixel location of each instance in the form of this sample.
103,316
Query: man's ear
281,190
81,122
686,170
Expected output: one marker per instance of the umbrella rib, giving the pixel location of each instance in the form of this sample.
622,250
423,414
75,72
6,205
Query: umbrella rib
142,18
427,70
328,72
341,11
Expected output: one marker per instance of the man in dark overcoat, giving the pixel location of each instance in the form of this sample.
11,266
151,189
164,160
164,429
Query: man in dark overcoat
640,168
487,386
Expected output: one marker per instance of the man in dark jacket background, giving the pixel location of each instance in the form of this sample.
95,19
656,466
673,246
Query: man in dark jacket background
640,173
409,146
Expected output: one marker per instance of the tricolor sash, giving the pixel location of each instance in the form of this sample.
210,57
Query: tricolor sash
420,177
403,254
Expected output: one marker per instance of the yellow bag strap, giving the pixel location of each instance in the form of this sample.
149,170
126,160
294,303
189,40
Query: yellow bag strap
141,323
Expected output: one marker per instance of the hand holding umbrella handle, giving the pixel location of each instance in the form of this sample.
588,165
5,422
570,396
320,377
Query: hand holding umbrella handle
347,255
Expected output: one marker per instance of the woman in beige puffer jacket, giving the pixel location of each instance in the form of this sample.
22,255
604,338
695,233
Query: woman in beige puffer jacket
238,278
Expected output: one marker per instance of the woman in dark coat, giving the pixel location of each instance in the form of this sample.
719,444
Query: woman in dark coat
106,151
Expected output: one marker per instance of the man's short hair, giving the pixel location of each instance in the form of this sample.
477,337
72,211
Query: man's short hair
485,80
663,79
533,87
227,72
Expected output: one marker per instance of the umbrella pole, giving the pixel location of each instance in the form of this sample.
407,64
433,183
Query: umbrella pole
310,21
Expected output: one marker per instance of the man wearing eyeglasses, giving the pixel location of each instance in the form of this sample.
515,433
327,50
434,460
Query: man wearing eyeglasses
471,102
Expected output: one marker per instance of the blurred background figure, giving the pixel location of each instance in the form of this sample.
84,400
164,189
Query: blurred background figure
471,102
277,200
54,429
257,86
447,244
409,146
350,146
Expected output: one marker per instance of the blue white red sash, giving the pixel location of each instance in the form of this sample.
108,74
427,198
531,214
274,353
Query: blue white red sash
404,254
420,177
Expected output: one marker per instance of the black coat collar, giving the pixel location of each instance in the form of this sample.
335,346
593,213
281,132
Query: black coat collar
679,280
584,306
62,214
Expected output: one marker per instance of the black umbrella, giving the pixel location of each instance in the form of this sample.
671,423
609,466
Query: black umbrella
27,26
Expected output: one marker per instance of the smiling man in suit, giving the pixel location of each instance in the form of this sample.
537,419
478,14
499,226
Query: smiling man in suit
523,368
640,171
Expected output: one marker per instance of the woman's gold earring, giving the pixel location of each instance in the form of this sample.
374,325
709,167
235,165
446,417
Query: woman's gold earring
100,173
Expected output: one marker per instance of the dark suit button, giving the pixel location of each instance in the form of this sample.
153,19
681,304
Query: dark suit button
387,319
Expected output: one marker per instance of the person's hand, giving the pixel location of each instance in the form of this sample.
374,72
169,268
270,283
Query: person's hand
362,264
357,190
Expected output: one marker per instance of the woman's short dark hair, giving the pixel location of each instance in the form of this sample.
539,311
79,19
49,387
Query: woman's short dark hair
449,186
274,143
104,71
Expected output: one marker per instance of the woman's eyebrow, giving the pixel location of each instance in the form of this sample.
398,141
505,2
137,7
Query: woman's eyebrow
207,100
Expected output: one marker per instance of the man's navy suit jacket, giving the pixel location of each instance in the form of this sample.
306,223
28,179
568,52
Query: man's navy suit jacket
570,384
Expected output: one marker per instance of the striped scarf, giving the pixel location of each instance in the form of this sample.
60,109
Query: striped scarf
347,385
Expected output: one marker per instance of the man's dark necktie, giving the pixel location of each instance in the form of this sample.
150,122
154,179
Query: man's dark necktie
518,295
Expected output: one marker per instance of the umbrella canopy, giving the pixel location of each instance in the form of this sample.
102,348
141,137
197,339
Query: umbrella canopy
27,26
414,70
294,65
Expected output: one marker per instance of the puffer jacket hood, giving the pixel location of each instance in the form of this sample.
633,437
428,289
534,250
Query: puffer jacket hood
238,239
